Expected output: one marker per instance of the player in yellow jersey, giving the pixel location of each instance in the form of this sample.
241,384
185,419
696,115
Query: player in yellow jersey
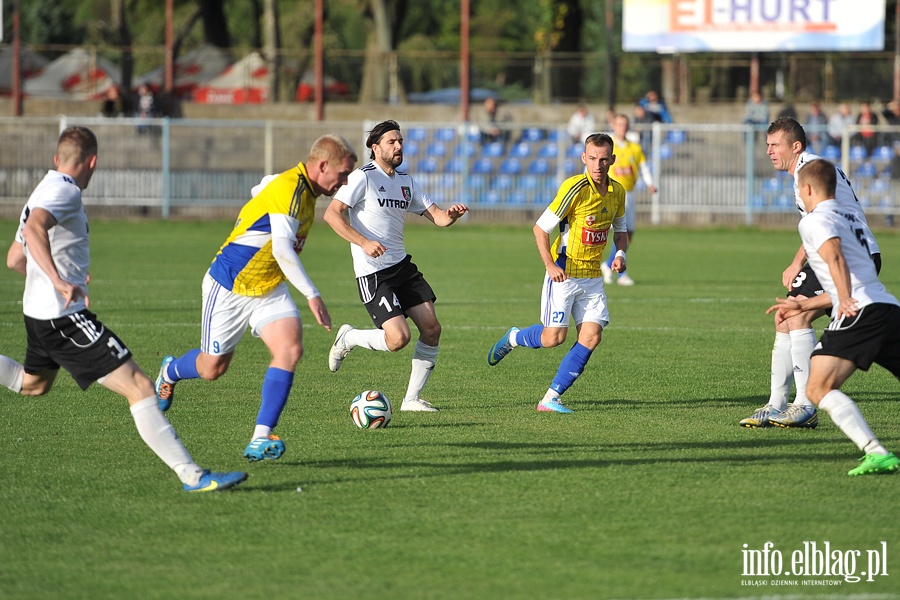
630,162
586,207
245,285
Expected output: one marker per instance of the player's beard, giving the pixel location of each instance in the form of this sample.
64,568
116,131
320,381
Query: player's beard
389,158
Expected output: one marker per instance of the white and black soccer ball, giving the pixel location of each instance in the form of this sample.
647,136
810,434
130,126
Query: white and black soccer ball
371,410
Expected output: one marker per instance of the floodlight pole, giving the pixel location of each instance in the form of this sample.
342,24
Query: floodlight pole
320,77
170,41
464,60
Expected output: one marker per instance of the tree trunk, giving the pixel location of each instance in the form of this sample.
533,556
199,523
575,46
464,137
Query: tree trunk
215,25
120,23
272,43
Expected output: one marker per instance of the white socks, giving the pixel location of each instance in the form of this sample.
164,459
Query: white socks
802,343
11,374
373,339
261,431
160,436
782,371
846,415
423,361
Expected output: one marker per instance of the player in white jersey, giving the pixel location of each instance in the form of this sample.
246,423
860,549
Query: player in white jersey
369,212
865,326
795,337
62,331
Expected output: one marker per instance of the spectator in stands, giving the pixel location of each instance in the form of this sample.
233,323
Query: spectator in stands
581,124
642,122
655,105
112,106
493,121
787,110
816,125
838,122
756,111
146,106
867,137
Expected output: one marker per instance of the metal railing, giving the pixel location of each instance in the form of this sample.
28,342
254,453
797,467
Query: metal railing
706,174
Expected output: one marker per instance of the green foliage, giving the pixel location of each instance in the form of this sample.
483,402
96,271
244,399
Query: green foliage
50,22
648,491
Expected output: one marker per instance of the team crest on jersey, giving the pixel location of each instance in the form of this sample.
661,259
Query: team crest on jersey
590,220
407,193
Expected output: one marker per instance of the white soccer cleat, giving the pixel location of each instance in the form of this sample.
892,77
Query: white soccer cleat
339,349
417,405
625,279
607,273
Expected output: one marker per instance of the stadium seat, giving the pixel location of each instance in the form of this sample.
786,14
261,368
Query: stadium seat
539,166
445,134
521,150
866,170
575,151
468,150
415,134
410,149
832,152
427,165
436,149
532,134
574,167
553,135
549,150
774,184
502,183
529,183
493,150
483,165
665,151
477,183
454,165
858,153
492,197
511,166
883,154
676,136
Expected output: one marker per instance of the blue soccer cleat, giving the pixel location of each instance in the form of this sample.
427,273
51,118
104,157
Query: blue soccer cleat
264,448
501,348
553,405
216,482
165,391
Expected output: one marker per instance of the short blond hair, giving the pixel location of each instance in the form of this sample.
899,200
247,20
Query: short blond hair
331,148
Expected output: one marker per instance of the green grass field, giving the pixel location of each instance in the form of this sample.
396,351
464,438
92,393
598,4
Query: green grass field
650,490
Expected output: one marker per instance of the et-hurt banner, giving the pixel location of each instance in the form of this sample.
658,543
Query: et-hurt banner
668,26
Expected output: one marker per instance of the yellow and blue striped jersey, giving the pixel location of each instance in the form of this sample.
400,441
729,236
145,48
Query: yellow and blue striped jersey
245,263
586,217
626,169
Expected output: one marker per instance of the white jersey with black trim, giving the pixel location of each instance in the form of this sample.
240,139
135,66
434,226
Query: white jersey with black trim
59,195
843,195
831,219
378,205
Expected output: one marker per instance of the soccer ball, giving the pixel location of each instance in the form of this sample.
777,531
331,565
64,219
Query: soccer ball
371,410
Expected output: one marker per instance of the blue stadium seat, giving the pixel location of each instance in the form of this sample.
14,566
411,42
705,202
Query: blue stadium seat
832,152
467,150
529,183
665,151
549,150
866,170
574,167
427,165
410,148
483,165
553,135
676,136
454,165
774,184
511,166
492,197
502,183
532,134
445,134
575,151
476,182
883,154
539,166
493,150
521,150
415,134
858,153
436,149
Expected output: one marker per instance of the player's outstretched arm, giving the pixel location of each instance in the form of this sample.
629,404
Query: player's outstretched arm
445,218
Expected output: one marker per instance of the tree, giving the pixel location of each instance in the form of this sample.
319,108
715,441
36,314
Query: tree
383,18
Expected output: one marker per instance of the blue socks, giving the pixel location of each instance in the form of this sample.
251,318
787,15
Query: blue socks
184,367
570,368
530,337
275,390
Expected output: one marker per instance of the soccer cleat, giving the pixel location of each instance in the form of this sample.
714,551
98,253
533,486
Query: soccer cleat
803,416
501,348
339,350
761,417
417,405
876,464
607,273
264,448
216,482
625,279
165,391
553,405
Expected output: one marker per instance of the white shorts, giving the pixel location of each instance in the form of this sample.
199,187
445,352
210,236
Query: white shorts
582,299
630,211
226,315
